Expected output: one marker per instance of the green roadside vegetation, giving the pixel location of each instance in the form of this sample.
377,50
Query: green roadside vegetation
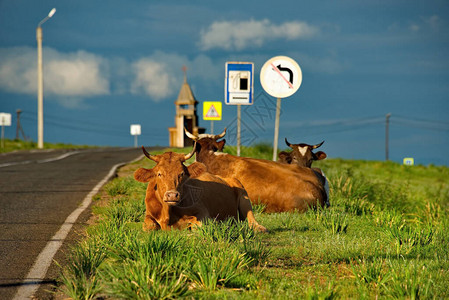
17,145
386,235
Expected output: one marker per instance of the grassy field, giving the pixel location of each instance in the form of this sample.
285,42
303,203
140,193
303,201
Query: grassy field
385,235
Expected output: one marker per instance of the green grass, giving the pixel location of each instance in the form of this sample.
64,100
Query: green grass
385,235
15,145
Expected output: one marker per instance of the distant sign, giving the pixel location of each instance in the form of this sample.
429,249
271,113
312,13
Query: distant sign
135,129
212,111
409,161
5,119
281,76
239,83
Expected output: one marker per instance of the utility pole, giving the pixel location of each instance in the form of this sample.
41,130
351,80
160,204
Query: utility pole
387,125
19,126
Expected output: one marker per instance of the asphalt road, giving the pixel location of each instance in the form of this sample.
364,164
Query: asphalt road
38,191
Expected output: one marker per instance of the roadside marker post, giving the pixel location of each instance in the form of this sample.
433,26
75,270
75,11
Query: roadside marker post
280,77
135,130
239,89
5,120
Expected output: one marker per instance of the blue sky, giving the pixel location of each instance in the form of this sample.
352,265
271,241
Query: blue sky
109,64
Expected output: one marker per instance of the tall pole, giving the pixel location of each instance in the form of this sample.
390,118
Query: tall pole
18,126
40,82
387,125
40,91
276,129
239,116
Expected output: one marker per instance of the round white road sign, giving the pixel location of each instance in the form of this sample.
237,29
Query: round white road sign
281,76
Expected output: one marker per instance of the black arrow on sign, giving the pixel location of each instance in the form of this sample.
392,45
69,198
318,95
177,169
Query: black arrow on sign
290,72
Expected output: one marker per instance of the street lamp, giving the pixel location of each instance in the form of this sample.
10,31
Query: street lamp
40,82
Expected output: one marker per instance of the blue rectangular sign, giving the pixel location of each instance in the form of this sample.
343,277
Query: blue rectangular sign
239,83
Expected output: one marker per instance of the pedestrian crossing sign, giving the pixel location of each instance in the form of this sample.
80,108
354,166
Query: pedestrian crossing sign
212,111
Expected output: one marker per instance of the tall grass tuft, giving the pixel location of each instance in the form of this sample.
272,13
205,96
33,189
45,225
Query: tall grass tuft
124,211
407,238
226,231
410,280
211,270
335,222
80,278
372,274
140,279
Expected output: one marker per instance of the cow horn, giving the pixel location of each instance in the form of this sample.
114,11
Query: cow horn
205,135
219,136
317,145
152,157
187,156
195,138
288,144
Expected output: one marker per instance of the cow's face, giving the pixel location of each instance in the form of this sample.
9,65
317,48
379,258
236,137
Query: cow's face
302,154
207,142
170,173
209,145
167,177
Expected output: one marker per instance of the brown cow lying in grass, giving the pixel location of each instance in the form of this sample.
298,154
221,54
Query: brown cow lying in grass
280,187
303,156
180,197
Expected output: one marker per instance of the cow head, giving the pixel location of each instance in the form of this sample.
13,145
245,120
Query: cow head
207,142
302,154
168,175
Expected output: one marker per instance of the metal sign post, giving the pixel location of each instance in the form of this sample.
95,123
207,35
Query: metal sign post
5,120
276,129
239,89
135,130
239,130
280,77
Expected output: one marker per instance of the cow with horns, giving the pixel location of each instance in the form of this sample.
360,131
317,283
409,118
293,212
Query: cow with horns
181,197
277,186
303,156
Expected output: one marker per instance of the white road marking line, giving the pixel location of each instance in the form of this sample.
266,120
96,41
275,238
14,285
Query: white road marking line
42,161
37,273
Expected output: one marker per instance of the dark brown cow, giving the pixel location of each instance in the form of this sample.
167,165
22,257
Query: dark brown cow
301,155
179,197
280,187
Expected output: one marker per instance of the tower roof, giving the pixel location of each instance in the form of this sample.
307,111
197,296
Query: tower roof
185,96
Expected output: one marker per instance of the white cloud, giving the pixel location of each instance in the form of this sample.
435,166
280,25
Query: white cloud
231,35
160,74
152,78
78,74
433,23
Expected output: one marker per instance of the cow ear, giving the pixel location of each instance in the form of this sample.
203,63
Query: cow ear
320,155
143,175
285,157
221,144
196,169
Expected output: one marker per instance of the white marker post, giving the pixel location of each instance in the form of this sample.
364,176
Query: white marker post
5,120
280,77
239,89
135,131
